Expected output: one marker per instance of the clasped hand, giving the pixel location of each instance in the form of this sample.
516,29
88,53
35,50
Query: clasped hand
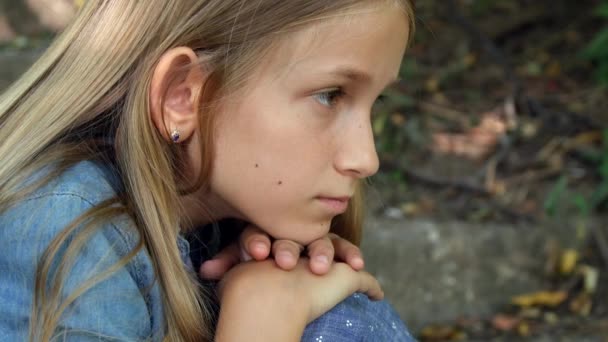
269,287
255,244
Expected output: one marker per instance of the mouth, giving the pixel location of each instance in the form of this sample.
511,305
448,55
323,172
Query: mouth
335,205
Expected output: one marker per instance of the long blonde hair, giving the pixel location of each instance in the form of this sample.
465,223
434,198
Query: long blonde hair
95,79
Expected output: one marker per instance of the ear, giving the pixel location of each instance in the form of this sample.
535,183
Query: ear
174,90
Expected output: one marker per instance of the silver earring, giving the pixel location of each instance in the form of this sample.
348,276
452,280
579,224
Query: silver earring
175,135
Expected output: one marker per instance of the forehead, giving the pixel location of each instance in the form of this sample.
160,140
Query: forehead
360,37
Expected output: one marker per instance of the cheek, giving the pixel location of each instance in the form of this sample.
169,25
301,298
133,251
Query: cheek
269,172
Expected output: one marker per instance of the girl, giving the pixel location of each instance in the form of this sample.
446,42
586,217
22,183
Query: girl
147,120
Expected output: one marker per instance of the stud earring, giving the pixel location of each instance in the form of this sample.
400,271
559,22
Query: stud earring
175,135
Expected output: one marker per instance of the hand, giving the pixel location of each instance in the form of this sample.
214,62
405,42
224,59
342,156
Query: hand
255,244
277,304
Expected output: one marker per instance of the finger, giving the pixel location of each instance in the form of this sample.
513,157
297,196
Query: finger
254,243
370,286
361,281
286,253
321,253
346,251
215,268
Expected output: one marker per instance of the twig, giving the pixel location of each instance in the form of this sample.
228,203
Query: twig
445,113
436,182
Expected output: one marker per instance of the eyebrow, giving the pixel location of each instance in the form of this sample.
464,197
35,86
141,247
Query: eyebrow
354,74
351,73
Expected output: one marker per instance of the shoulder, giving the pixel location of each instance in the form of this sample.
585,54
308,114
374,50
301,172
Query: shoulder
31,226
44,213
358,319
89,181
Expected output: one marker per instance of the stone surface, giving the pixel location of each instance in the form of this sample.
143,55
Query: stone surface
433,271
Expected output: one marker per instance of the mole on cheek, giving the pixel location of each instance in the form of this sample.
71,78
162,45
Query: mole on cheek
280,183
256,166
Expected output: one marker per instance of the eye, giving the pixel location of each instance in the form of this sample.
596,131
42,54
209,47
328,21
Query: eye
328,98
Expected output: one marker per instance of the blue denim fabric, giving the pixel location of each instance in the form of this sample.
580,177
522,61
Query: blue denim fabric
358,319
127,305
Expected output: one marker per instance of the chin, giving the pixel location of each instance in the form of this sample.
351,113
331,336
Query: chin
306,234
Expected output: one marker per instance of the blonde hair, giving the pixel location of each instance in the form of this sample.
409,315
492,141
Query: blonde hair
95,78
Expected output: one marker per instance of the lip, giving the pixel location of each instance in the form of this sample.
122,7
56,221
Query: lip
336,205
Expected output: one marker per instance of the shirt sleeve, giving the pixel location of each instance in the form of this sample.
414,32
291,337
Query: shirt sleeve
358,319
112,309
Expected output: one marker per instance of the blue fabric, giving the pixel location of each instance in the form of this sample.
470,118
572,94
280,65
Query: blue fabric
127,305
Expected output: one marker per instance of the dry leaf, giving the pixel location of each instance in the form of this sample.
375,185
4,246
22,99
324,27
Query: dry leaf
477,142
432,84
504,322
590,278
568,261
523,329
410,208
554,69
581,304
541,298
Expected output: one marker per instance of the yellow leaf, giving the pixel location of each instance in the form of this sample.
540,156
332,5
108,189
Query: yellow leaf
432,85
523,329
568,261
541,298
554,69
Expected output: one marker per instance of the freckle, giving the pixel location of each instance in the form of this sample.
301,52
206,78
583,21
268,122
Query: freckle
256,165
280,182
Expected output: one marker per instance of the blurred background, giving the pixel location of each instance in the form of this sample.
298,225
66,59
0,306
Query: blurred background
488,220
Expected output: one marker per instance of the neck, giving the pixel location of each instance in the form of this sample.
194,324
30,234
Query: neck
198,213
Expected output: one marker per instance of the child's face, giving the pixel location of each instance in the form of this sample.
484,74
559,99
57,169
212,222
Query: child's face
292,141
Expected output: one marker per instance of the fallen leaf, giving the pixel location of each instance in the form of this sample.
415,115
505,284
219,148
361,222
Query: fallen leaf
568,261
554,69
432,84
504,322
410,208
590,278
541,298
476,142
523,329
581,304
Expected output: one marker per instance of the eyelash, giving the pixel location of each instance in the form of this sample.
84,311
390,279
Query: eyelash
329,97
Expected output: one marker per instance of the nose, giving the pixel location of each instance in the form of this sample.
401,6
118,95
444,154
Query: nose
357,156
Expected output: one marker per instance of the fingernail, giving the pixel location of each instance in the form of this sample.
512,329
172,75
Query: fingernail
322,258
259,246
286,256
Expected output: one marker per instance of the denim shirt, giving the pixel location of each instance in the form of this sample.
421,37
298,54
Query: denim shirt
126,305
